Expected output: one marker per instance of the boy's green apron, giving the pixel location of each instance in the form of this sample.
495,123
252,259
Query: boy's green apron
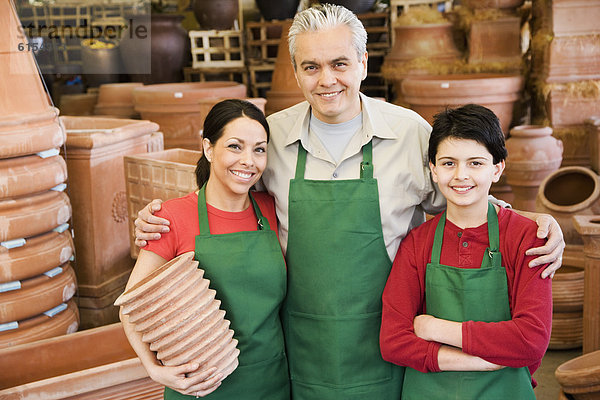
459,294
248,272
337,269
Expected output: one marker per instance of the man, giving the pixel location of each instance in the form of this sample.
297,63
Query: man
349,176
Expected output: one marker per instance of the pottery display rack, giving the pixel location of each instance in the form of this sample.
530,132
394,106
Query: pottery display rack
379,35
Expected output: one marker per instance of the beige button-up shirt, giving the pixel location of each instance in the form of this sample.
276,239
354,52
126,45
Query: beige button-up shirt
400,140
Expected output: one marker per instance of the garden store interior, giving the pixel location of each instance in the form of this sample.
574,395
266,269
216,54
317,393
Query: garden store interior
102,109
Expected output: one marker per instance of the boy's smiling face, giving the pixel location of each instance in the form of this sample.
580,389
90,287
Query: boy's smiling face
464,171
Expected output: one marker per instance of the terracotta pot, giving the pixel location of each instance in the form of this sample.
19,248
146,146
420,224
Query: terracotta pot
219,15
580,377
588,226
160,59
155,317
569,58
25,134
27,216
567,109
280,9
570,18
78,104
39,254
96,147
567,289
30,174
567,192
532,154
57,322
567,330
38,294
478,4
117,99
592,128
105,367
429,95
285,91
497,40
177,108
356,6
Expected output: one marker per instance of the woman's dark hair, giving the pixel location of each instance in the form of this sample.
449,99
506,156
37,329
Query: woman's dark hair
473,122
218,117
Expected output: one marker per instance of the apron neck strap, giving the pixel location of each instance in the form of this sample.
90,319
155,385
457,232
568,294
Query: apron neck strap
262,222
493,237
366,166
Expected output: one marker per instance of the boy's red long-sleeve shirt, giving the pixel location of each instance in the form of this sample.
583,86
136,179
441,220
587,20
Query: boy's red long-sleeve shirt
519,342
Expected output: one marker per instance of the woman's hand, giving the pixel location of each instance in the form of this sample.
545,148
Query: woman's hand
176,378
148,226
551,253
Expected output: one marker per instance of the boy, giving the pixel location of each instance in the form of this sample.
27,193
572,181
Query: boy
460,308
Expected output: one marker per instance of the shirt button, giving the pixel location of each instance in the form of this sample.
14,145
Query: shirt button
465,244
335,174
459,234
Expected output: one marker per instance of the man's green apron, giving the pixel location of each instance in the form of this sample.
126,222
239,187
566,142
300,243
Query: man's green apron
459,294
337,269
248,272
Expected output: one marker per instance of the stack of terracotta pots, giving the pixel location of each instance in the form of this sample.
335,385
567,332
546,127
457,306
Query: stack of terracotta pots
566,71
36,279
178,316
96,147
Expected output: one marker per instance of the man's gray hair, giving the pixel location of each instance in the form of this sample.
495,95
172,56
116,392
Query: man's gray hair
327,16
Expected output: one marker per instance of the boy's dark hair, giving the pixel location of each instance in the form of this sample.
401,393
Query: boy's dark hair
473,122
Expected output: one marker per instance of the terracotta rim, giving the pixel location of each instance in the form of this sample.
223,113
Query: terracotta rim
574,207
463,85
580,371
531,130
31,174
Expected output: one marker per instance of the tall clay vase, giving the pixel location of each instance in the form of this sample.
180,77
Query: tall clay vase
580,377
428,95
285,91
532,155
277,9
219,15
431,41
178,316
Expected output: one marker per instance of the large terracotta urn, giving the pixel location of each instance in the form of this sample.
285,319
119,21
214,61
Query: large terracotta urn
580,377
533,153
180,108
428,95
178,316
218,15
277,9
285,91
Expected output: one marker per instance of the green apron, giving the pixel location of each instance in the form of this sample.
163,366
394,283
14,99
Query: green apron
459,294
248,272
337,269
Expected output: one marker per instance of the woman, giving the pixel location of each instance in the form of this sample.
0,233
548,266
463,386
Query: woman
233,235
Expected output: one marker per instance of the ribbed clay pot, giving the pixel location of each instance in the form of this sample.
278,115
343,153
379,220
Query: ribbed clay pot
163,312
567,330
533,153
30,174
219,15
567,289
116,99
37,255
580,377
566,192
38,294
277,9
284,91
56,322
478,4
27,216
176,108
356,6
428,95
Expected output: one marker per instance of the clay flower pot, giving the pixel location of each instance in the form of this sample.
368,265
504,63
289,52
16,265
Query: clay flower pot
532,155
580,377
31,215
38,294
116,99
159,307
176,108
428,95
30,174
567,192
56,322
39,254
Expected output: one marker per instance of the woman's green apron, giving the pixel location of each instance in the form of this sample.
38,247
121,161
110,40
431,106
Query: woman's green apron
248,272
337,269
459,294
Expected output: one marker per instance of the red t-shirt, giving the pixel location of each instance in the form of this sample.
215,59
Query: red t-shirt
182,212
519,342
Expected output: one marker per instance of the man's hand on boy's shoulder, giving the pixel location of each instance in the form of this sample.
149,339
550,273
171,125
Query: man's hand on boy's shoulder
552,252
